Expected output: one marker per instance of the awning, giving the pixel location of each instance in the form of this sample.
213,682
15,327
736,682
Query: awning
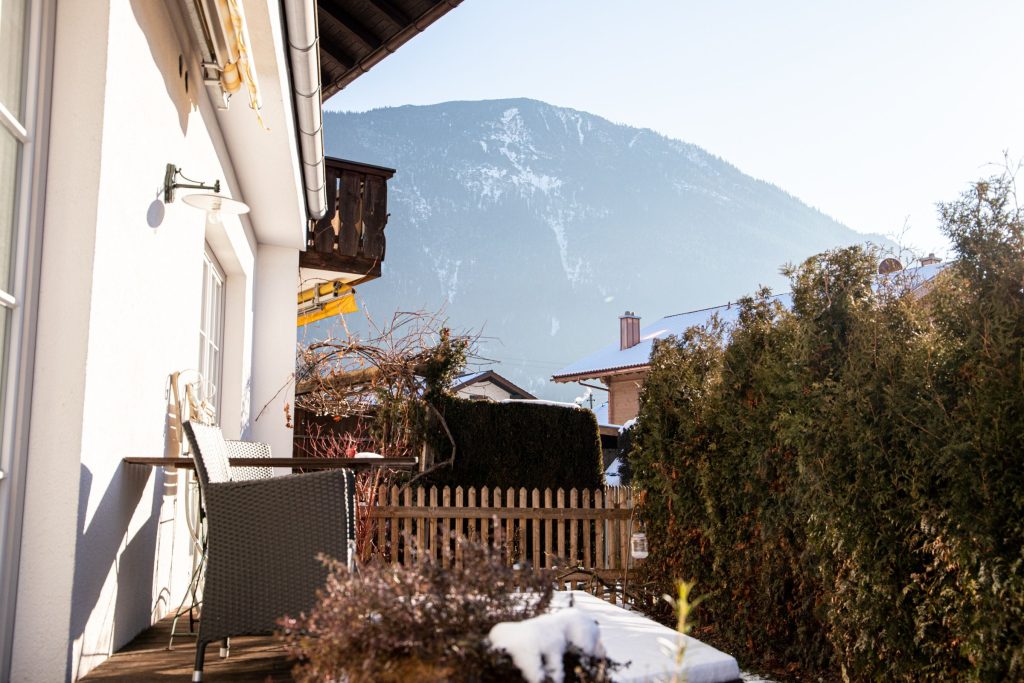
239,68
324,301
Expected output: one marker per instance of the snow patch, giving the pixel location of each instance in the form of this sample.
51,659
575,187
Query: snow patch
536,645
447,273
612,477
539,402
512,140
573,271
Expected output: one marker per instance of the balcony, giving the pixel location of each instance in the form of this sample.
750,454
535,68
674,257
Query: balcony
348,243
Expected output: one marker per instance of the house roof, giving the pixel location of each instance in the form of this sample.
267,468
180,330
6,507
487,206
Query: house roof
356,34
613,360
494,378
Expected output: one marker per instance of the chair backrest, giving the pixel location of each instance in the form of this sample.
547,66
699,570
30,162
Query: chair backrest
210,453
249,449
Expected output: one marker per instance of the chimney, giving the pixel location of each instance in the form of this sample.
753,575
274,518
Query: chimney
629,330
930,259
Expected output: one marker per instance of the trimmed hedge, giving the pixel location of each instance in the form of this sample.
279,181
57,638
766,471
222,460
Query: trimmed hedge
519,444
845,480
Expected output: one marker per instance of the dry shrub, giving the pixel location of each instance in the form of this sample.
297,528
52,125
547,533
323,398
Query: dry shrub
424,623
324,443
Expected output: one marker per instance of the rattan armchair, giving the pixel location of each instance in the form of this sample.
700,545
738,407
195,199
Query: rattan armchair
263,539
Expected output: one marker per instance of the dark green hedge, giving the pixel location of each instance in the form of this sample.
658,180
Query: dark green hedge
518,444
845,480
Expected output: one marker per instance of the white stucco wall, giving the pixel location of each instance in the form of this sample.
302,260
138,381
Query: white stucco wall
105,549
274,352
491,391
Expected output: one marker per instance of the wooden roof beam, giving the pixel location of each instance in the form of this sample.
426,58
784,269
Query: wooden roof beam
338,13
336,51
392,12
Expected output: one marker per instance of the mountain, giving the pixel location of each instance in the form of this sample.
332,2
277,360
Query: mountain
539,225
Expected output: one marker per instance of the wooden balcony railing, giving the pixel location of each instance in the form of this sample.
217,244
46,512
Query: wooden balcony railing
350,238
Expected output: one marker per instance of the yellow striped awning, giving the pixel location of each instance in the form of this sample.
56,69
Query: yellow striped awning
325,300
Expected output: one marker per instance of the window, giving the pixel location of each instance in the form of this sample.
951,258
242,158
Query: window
14,135
26,33
211,331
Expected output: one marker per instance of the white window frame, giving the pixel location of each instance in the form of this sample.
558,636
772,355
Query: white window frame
211,330
32,133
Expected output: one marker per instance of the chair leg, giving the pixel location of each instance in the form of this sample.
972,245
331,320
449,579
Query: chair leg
197,671
225,648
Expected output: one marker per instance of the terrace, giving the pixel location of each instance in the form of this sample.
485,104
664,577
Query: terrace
628,637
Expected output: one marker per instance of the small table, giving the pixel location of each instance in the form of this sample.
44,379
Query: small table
357,464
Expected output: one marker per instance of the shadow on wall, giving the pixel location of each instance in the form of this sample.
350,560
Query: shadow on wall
97,552
181,85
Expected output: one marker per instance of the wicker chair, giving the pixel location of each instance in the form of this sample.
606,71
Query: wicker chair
263,538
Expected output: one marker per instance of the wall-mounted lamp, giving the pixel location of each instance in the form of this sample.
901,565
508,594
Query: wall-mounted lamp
172,173
211,203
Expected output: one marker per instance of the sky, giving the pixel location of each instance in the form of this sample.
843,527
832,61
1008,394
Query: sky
870,111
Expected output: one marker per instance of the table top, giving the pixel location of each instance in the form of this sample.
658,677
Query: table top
291,463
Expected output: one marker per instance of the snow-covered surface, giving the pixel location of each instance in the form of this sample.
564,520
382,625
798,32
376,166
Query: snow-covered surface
611,357
611,475
649,647
537,401
754,678
536,645
601,412
629,423
467,379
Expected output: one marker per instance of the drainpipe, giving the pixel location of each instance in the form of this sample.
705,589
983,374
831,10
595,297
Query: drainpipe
304,55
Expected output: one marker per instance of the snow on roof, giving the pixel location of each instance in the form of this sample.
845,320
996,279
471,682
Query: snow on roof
467,379
612,476
612,358
541,402
601,412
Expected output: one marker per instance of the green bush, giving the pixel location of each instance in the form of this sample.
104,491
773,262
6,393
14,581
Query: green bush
520,444
845,479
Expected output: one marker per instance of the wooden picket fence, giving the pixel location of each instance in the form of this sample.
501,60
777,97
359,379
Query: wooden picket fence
583,536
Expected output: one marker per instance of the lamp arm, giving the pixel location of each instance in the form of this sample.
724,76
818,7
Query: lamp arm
171,174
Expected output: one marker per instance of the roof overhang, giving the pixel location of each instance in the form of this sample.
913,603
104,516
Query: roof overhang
266,161
601,373
357,34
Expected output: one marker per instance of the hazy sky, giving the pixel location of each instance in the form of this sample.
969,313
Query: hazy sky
871,111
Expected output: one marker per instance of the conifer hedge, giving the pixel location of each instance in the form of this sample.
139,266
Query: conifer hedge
845,480
520,444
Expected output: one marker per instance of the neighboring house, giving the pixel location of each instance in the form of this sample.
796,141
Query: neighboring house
623,366
108,286
488,385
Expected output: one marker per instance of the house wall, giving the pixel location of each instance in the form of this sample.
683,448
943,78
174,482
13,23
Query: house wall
491,391
105,549
272,391
624,397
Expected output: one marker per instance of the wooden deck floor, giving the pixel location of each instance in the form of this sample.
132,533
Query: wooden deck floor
257,659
